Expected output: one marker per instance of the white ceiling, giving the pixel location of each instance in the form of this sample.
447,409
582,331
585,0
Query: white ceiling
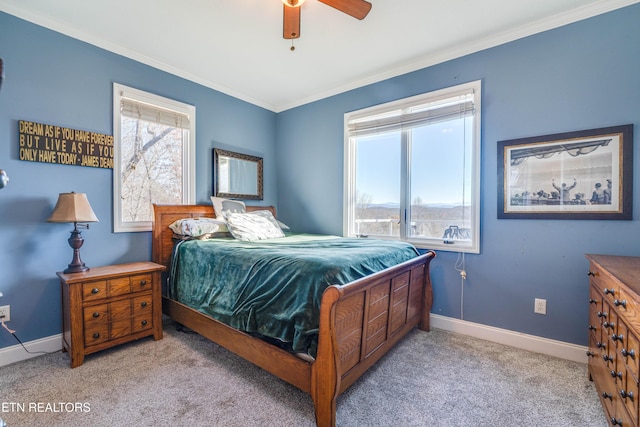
236,46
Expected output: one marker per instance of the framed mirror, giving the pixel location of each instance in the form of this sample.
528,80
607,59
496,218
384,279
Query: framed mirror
237,175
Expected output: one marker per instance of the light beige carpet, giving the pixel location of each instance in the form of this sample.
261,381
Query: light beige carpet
429,379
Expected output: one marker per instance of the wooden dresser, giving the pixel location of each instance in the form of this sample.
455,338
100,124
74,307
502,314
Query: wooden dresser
111,305
614,335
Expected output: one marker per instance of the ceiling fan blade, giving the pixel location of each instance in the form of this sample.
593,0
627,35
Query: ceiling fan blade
291,22
356,8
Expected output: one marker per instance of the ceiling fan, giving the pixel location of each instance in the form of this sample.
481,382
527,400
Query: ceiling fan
291,21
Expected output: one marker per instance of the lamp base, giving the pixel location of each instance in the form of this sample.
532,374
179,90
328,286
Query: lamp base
76,268
76,241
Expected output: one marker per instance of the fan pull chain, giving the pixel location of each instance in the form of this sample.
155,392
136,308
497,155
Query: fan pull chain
292,48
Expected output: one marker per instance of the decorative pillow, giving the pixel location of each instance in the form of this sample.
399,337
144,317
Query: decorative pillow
196,227
222,205
256,225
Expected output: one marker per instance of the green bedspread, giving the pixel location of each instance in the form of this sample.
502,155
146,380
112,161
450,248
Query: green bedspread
273,287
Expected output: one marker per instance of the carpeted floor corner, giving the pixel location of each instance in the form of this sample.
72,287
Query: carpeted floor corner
430,379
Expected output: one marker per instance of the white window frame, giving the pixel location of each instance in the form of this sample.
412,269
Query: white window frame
188,150
472,246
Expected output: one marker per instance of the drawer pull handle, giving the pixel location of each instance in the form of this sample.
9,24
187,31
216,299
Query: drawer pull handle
619,303
593,301
591,273
144,323
96,314
628,353
590,354
601,345
616,374
95,290
626,395
607,358
609,291
616,422
592,328
602,314
615,337
610,325
607,395
143,303
143,282
96,335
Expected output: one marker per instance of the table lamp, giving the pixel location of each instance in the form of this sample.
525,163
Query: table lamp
75,208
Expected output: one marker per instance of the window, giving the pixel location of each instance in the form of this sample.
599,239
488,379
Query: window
154,156
412,170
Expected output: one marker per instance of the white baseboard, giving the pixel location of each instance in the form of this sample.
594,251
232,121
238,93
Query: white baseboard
16,353
533,343
563,350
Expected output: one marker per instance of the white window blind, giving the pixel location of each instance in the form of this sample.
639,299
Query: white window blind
152,113
455,106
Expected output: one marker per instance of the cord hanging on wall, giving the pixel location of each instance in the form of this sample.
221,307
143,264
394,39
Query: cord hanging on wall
4,178
461,268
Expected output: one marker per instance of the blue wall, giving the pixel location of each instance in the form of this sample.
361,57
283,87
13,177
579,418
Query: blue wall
53,79
581,76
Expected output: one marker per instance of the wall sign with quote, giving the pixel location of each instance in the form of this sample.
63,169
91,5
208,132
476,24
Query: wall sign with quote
39,142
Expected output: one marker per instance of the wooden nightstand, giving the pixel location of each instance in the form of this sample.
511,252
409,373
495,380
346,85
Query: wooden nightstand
111,305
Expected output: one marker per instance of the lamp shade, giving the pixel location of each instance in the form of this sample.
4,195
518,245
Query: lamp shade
73,207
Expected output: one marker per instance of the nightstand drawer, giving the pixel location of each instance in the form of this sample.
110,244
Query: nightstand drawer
142,304
96,334
95,315
141,282
142,322
92,291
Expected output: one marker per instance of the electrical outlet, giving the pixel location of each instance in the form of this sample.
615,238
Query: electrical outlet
5,313
540,306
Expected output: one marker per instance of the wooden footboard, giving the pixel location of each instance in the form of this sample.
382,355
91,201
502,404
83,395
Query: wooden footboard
359,321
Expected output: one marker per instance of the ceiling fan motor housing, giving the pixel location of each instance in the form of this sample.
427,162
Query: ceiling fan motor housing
293,3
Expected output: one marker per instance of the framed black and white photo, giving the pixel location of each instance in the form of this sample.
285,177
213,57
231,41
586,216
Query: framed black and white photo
575,175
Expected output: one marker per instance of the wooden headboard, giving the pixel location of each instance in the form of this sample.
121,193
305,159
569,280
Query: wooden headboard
164,215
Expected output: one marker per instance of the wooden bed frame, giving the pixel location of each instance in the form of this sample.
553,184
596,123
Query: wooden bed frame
359,322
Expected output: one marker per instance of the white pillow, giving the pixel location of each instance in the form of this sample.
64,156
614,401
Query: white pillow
222,205
256,225
195,227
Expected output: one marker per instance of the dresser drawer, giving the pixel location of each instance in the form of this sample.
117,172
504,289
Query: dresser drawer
624,303
630,354
629,396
